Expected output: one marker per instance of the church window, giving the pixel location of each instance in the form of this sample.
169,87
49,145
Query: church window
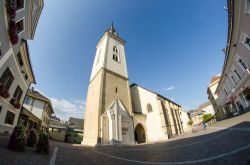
116,58
149,107
116,90
115,49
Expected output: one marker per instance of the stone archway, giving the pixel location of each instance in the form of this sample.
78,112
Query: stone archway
140,136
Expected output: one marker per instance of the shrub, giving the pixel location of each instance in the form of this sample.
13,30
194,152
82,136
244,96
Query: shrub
207,117
17,139
190,122
43,143
32,138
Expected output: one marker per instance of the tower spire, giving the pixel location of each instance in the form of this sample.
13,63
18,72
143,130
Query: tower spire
112,28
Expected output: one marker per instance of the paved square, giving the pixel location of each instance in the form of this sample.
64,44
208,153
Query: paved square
225,142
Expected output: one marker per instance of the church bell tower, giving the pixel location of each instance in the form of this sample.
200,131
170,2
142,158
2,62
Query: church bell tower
108,117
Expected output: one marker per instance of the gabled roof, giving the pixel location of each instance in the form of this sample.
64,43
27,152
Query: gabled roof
76,123
37,95
58,124
214,79
156,94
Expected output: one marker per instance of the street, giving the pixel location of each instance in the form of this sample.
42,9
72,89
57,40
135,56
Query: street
224,142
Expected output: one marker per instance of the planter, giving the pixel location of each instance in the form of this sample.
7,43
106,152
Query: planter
11,8
4,92
15,103
13,32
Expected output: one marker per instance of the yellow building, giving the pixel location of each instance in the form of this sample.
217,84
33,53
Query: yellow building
213,97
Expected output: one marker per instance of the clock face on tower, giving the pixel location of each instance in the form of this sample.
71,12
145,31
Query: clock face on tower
116,43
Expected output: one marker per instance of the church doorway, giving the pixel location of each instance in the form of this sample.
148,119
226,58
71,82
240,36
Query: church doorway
140,136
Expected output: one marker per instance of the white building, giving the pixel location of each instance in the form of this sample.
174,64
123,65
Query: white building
18,24
40,106
206,108
109,117
154,115
185,119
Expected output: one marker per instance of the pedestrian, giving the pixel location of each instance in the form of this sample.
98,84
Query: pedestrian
204,126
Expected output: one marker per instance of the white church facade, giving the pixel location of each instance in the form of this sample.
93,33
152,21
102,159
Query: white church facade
119,113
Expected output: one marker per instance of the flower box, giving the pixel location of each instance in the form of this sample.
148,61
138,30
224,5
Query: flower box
15,103
11,8
4,92
13,32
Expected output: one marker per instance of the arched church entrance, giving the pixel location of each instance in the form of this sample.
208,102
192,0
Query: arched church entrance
140,136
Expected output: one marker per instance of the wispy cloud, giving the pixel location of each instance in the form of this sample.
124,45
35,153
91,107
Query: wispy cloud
192,105
169,88
172,98
65,108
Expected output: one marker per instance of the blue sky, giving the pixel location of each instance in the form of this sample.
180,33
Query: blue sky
173,47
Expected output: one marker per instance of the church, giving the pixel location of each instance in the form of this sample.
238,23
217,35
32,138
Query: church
119,113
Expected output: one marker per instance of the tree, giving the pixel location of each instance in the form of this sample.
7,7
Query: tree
207,117
190,122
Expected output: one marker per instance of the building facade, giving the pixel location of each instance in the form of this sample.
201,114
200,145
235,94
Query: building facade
18,24
57,130
234,87
213,97
108,107
40,106
75,130
155,117
117,113
185,118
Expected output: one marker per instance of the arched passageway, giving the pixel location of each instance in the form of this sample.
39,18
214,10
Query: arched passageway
140,136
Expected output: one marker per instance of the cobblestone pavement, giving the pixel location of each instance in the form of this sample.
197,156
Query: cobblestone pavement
226,142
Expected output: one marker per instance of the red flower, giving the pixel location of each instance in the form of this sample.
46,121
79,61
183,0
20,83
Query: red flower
13,32
15,103
4,92
11,8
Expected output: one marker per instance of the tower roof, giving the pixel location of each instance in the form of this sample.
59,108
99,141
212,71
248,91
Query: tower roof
112,28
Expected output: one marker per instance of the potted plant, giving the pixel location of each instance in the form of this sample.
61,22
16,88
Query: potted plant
4,92
13,32
17,139
43,143
32,138
11,8
15,103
